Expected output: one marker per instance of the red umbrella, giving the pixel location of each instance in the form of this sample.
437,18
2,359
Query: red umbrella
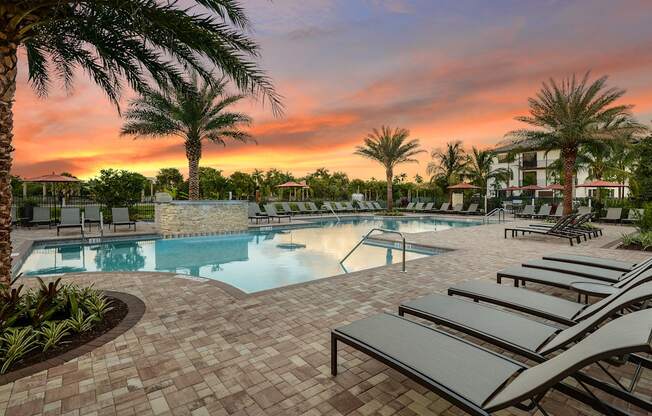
463,185
555,187
532,188
513,188
601,184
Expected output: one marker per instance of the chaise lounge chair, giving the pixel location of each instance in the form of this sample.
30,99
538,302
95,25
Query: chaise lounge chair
528,211
444,207
313,208
92,216
256,214
408,207
583,210
428,207
70,218
287,208
376,206
457,209
539,304
270,210
480,381
613,215
41,215
622,266
634,215
557,230
120,216
544,211
471,210
418,207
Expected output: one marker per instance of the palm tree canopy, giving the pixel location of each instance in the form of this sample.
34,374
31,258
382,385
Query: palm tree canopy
479,168
389,147
136,41
448,163
567,114
192,111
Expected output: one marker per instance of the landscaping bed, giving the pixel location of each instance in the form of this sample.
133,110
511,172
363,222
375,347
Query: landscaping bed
39,325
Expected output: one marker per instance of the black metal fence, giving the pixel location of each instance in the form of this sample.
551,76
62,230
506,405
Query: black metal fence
138,211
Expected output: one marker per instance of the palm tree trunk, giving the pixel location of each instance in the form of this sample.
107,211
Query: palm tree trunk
390,196
8,69
568,156
193,153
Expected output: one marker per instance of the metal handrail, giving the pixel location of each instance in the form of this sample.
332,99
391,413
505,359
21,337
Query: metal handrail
499,210
367,236
331,208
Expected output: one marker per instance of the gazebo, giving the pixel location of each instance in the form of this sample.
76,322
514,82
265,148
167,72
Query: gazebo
293,186
46,179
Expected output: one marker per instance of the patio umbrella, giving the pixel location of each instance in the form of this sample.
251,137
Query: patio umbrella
463,186
600,184
534,189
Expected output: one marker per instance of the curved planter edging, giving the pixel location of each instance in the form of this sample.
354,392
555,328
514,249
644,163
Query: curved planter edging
136,310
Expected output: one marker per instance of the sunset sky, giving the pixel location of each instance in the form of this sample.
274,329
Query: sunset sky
458,69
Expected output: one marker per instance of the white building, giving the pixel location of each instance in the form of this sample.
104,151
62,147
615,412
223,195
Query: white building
530,167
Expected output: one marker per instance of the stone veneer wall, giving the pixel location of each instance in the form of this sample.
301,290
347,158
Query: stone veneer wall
201,217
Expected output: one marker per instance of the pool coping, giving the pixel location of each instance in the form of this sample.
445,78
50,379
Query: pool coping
136,309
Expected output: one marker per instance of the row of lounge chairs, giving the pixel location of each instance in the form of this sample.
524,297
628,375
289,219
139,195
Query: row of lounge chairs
480,381
574,228
473,209
282,210
71,218
613,214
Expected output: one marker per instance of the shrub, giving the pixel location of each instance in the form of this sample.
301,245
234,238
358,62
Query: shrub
641,240
16,342
644,223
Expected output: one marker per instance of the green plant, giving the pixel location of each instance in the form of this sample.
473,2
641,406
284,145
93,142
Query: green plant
11,304
16,342
79,322
642,240
52,333
45,303
644,222
97,304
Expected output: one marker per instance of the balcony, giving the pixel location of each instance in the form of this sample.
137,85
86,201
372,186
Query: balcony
534,164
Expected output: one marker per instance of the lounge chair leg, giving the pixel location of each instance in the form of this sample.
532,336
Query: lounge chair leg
401,312
333,355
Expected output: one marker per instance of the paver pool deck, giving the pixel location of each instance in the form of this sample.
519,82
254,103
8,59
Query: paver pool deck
198,350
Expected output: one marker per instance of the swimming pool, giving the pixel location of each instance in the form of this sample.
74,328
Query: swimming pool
253,261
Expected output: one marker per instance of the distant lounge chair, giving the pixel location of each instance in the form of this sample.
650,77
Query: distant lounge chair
270,210
428,207
583,210
349,206
41,215
92,215
634,215
480,381
338,207
557,230
408,207
313,208
256,214
70,218
558,212
544,211
376,206
622,266
362,206
120,216
444,207
418,207
471,210
528,211
457,209
287,208
303,208
613,215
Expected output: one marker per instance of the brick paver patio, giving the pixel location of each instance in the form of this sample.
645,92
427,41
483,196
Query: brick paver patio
200,351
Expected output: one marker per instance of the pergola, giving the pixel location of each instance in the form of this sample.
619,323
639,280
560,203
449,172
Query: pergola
293,186
46,179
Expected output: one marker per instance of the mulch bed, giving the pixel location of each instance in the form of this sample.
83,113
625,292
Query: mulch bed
111,319
635,247
127,311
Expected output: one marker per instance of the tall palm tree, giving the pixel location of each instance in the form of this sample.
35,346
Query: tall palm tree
622,162
117,42
447,165
196,112
479,169
389,148
570,113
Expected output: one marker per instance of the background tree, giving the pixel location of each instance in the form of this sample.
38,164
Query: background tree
115,188
389,148
447,165
570,113
196,112
132,42
168,178
242,185
479,169
643,170
212,183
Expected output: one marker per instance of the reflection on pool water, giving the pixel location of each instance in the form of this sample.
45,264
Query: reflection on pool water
251,262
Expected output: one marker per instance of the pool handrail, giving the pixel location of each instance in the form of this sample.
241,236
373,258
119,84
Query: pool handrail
384,230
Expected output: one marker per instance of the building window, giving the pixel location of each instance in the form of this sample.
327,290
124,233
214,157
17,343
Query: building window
529,178
503,157
529,160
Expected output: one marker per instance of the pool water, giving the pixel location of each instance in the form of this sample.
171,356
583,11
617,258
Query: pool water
252,261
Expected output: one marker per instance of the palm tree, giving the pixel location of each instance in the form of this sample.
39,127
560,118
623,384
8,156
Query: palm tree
196,112
570,113
448,165
479,170
116,42
622,162
389,148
